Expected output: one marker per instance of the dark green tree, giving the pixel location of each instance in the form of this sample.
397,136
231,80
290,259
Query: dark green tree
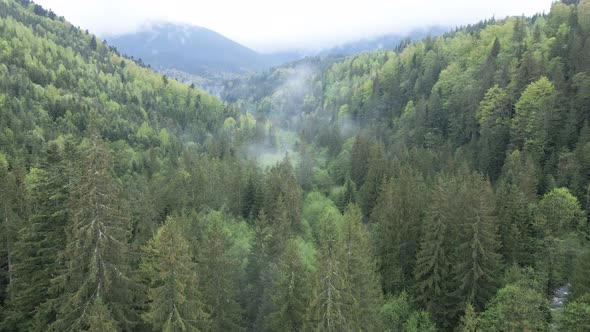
361,270
95,258
174,299
434,284
332,300
217,269
40,241
291,291
478,252
398,215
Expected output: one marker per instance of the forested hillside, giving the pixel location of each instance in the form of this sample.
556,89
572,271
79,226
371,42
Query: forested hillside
444,186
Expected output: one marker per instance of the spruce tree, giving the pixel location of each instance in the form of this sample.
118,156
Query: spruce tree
332,299
434,259
398,216
258,261
95,264
7,226
361,271
175,302
291,291
41,239
478,258
218,273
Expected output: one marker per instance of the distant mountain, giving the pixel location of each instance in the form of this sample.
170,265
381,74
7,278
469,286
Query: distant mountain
195,54
385,42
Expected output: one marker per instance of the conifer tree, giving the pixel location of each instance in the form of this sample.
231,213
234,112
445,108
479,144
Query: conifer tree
469,320
359,160
332,299
258,261
398,216
361,271
40,240
175,302
516,225
95,268
217,271
478,258
377,170
7,224
434,259
291,291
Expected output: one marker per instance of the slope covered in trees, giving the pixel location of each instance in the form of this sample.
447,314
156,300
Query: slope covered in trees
442,186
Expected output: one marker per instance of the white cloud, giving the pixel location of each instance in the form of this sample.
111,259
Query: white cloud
267,25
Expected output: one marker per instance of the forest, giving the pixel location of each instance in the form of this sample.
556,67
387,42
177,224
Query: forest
440,186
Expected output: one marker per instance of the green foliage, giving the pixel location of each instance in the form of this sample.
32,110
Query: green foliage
561,211
361,271
516,308
173,293
433,274
217,265
455,160
95,261
398,216
581,276
535,117
576,315
494,120
40,240
397,314
469,321
291,292
478,258
330,305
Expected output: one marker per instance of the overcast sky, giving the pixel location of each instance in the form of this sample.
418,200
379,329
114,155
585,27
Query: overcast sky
271,25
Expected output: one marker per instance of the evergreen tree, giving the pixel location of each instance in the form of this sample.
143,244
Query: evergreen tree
258,262
398,216
40,240
478,259
251,205
359,160
377,169
349,194
281,188
361,271
581,277
174,300
291,291
516,225
95,256
469,320
217,270
8,224
332,299
93,44
433,276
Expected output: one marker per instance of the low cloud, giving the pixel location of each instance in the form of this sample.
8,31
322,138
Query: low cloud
266,25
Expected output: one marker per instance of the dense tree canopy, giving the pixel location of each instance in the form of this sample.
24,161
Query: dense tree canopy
444,185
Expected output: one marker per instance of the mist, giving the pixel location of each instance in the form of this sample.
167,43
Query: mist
270,26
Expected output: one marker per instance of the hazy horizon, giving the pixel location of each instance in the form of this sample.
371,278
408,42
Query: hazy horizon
269,26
